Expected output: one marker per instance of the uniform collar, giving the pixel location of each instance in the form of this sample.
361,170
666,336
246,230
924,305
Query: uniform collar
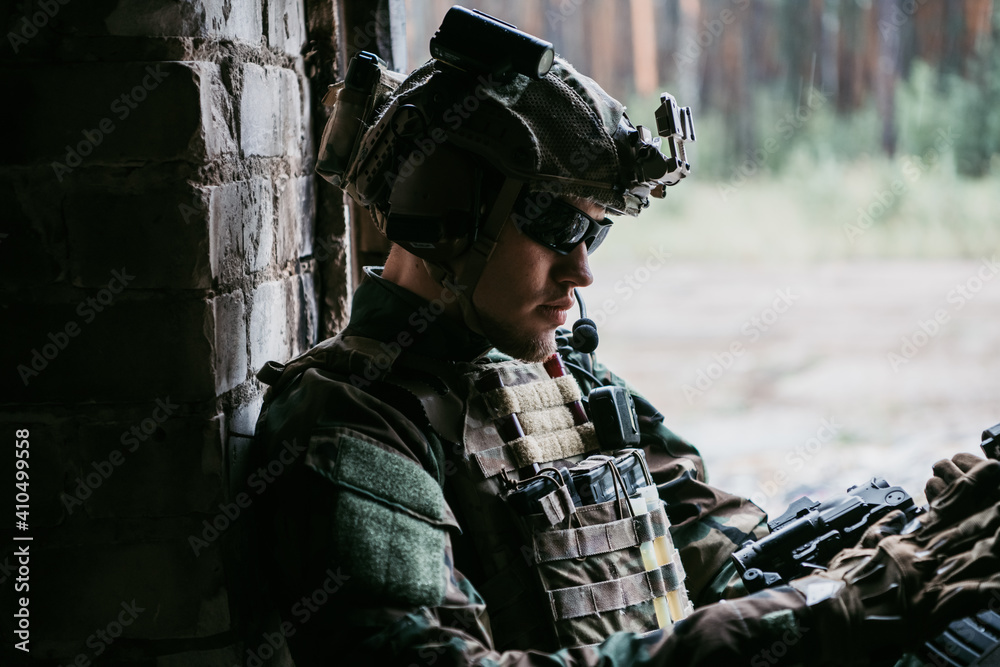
387,312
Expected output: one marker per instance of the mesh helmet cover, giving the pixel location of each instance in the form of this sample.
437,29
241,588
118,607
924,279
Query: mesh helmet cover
554,133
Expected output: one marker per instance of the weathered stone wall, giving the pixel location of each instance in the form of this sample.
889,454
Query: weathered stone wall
157,247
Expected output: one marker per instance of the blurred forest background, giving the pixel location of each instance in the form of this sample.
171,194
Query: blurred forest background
848,152
745,62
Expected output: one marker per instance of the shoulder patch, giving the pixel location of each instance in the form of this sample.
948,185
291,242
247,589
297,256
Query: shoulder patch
397,480
390,524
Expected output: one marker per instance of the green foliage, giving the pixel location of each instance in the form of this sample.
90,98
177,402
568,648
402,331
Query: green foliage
827,191
979,106
963,115
924,109
819,186
825,135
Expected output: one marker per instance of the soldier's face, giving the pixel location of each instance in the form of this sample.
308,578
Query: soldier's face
526,290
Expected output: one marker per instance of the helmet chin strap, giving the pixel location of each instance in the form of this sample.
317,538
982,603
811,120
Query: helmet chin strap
463,283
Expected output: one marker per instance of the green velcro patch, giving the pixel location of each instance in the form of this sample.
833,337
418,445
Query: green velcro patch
385,524
392,554
389,477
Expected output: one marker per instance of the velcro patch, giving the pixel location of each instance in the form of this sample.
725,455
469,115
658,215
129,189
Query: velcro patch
532,396
546,421
388,525
389,477
554,446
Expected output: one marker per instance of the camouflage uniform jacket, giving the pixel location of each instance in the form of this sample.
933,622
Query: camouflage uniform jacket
376,518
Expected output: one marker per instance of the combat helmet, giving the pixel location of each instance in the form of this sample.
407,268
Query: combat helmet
495,124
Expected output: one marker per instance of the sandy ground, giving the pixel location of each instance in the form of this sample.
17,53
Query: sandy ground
783,376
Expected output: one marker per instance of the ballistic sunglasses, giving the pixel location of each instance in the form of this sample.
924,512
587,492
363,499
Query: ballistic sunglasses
558,225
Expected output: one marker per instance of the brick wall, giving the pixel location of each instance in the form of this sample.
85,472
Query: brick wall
158,246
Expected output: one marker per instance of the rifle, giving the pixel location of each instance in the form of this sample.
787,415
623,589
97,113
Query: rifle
991,442
808,534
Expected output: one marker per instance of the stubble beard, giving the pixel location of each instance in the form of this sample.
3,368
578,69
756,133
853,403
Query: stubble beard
517,343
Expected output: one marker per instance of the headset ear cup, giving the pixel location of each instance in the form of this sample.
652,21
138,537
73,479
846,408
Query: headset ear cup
433,202
436,207
433,238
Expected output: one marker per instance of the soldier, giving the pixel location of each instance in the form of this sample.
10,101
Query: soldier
450,389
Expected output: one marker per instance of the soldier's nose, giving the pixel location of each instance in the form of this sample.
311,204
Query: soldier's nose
574,267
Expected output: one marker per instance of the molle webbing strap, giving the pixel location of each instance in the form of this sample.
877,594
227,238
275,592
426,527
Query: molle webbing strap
673,573
601,538
548,429
605,596
533,396
557,505
546,421
540,448
494,460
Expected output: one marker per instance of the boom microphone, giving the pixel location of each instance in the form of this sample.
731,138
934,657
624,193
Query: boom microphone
585,336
